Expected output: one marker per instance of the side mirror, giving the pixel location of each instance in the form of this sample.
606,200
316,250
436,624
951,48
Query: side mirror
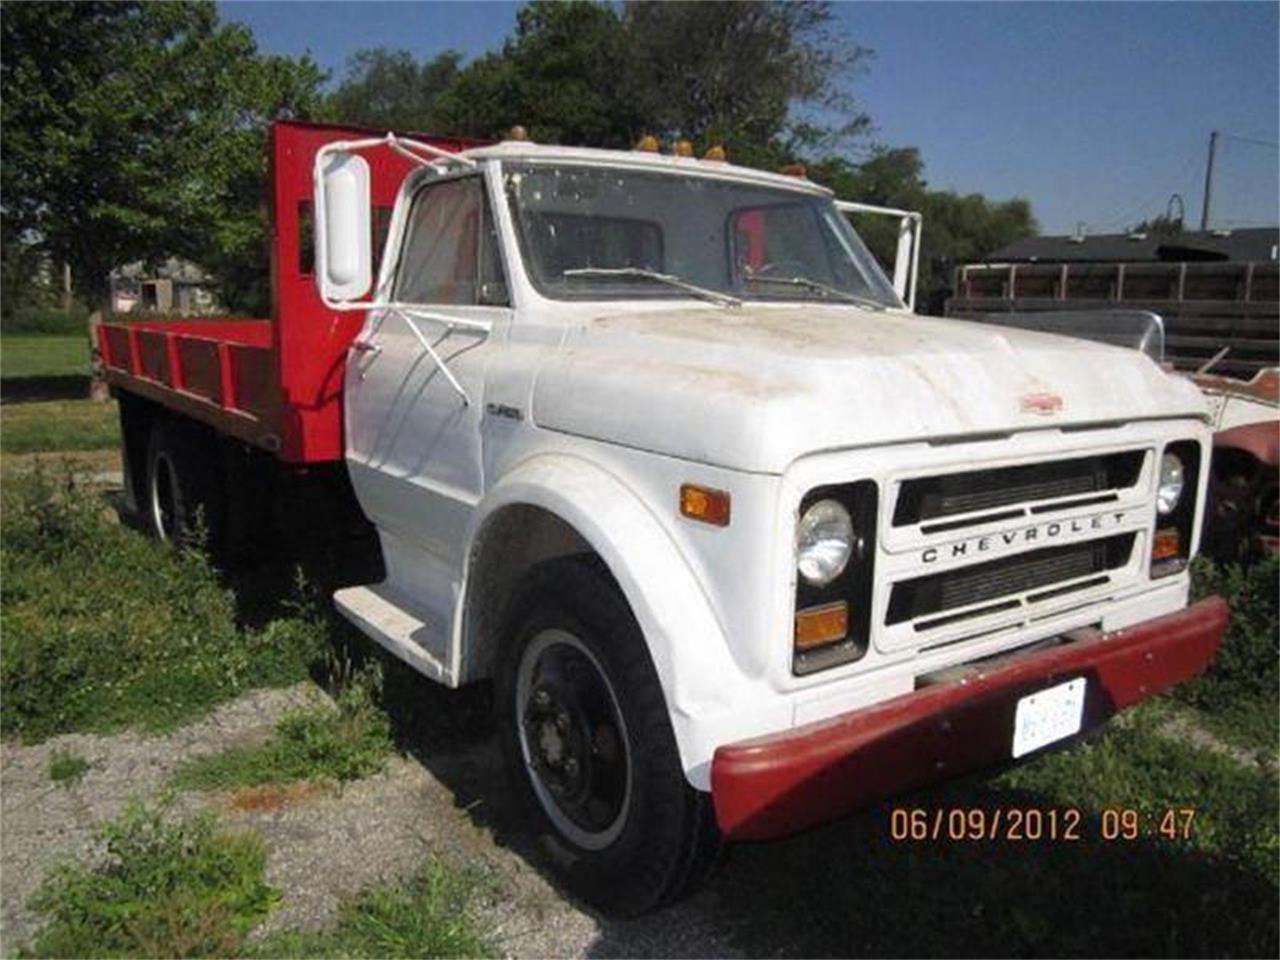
343,237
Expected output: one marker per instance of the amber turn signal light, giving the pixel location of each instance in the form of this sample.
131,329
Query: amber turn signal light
1166,544
819,626
703,503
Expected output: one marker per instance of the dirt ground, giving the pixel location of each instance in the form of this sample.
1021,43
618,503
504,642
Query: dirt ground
324,843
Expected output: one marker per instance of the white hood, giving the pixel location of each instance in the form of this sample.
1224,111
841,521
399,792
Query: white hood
755,388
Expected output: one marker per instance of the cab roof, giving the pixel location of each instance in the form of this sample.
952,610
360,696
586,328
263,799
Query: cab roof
526,151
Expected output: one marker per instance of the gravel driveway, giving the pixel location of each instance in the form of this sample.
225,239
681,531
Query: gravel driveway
324,844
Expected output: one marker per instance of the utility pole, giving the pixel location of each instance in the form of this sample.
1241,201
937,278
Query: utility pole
1208,181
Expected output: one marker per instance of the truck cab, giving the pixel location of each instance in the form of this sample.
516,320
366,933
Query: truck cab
652,443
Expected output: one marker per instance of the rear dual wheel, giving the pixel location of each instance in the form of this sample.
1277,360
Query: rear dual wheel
588,741
182,502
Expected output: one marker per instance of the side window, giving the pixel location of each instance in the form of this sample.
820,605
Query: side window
450,252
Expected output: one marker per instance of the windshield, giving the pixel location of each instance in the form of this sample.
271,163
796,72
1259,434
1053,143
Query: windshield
609,233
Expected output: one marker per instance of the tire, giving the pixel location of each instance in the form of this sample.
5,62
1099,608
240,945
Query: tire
183,500
588,743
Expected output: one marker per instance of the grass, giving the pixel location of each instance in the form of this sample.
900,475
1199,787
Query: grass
161,889
1238,699
428,917
67,768
59,425
106,629
1212,893
187,888
318,743
38,355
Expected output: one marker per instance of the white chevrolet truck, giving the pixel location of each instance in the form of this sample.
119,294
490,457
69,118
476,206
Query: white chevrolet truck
743,543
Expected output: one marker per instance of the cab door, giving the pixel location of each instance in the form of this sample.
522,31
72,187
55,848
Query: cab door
413,436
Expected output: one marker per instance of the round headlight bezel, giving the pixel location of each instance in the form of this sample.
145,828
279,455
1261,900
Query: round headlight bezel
1171,484
825,542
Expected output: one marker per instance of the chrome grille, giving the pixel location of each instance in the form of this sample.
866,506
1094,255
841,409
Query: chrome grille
1006,583
1084,480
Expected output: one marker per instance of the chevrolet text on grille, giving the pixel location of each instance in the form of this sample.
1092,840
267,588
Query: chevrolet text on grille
1054,530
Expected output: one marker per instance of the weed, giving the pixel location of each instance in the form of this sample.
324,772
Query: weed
67,768
430,917
1239,696
318,743
181,889
105,629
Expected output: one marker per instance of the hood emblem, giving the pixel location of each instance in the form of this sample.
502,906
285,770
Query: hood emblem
1043,404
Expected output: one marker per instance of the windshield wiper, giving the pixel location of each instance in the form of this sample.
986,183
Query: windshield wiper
820,287
704,292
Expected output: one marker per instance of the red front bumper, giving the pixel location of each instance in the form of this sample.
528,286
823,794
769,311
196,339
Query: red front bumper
775,785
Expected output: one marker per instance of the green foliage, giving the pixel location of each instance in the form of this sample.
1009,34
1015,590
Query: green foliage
594,75
1239,695
1248,665
66,768
162,889
48,320
318,743
134,131
44,356
430,917
105,629
390,89
63,426
1136,766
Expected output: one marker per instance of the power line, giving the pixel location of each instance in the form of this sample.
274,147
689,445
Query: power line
1258,143
1146,205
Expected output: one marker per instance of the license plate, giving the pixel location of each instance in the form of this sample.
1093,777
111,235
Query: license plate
1049,715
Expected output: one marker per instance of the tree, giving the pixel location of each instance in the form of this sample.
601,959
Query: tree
563,75
595,75
390,89
134,131
733,73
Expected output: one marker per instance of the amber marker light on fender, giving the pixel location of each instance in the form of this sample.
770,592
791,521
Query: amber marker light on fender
1166,544
704,504
818,626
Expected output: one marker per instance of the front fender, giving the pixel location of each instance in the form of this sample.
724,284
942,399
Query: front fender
686,643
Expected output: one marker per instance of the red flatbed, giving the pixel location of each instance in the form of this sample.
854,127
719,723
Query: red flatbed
273,383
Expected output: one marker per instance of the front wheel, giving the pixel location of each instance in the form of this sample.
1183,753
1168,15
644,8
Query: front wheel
589,743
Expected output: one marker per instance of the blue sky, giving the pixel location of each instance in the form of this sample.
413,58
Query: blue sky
1096,112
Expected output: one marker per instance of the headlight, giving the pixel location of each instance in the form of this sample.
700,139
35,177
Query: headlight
1172,480
824,542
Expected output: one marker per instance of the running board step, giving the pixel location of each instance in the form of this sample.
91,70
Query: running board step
403,630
